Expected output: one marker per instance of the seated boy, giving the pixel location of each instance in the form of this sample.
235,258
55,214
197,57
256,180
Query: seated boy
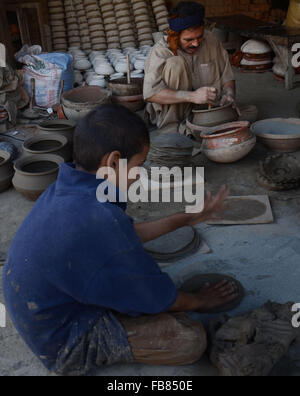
78,285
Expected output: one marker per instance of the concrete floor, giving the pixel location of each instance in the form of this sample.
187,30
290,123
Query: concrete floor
265,258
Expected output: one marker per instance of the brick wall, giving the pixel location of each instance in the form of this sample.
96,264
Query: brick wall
258,9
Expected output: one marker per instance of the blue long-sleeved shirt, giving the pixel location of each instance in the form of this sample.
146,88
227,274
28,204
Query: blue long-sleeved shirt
72,260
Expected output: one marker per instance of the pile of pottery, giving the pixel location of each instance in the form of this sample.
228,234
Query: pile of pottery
170,149
228,143
57,22
98,25
42,155
280,172
257,56
13,96
110,64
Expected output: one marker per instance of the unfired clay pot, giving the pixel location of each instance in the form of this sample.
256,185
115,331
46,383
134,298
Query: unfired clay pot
120,87
228,143
48,144
78,102
6,170
214,116
34,174
62,127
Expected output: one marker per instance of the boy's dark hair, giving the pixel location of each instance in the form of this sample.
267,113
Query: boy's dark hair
187,8
106,129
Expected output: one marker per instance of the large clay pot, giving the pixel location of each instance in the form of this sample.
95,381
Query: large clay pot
48,144
120,87
6,170
78,102
228,143
34,174
62,127
214,116
133,103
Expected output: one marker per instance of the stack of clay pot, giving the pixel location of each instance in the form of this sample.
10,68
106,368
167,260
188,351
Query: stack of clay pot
72,24
85,41
95,22
6,170
257,56
110,24
142,21
123,17
57,23
161,14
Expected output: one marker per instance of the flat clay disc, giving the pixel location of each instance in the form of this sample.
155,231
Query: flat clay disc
243,210
198,282
175,245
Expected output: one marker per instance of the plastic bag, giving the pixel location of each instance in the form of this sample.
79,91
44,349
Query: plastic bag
54,67
293,16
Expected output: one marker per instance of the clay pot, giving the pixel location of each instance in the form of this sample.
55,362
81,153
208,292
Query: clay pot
6,170
78,102
120,87
228,143
48,144
62,127
215,116
279,134
34,174
133,103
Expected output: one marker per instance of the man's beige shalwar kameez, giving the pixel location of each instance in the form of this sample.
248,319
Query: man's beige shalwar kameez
208,67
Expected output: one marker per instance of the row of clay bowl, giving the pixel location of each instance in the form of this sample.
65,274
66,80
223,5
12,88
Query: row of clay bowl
42,155
105,24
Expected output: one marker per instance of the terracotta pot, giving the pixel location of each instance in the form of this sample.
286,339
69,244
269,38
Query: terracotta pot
133,103
62,127
120,87
215,116
34,174
228,143
6,170
48,144
78,102
279,134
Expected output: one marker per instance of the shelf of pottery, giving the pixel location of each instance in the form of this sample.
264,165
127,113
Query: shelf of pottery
100,33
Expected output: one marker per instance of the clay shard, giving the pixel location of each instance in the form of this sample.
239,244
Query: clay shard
252,344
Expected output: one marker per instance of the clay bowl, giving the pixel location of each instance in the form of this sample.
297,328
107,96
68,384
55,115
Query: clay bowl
58,127
133,103
279,134
120,87
228,143
34,174
6,170
78,102
215,116
48,144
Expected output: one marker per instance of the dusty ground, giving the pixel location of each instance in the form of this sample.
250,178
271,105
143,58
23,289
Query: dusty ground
264,257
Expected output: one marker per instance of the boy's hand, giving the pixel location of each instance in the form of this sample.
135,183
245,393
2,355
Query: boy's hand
212,206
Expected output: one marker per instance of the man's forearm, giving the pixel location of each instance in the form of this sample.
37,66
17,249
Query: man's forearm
149,231
168,97
185,303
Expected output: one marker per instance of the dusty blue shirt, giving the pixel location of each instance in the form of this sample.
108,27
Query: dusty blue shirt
72,260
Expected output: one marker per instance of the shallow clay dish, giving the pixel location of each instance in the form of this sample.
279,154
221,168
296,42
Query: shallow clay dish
279,134
214,116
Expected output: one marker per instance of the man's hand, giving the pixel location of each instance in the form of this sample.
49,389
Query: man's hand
212,206
206,95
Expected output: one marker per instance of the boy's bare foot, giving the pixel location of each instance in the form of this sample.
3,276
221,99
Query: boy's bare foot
212,297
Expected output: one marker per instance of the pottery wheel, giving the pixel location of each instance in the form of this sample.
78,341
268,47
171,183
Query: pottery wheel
175,245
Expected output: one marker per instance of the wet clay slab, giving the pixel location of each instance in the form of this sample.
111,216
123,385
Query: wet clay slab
246,210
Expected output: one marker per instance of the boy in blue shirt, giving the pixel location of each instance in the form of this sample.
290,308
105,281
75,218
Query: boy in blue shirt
78,285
